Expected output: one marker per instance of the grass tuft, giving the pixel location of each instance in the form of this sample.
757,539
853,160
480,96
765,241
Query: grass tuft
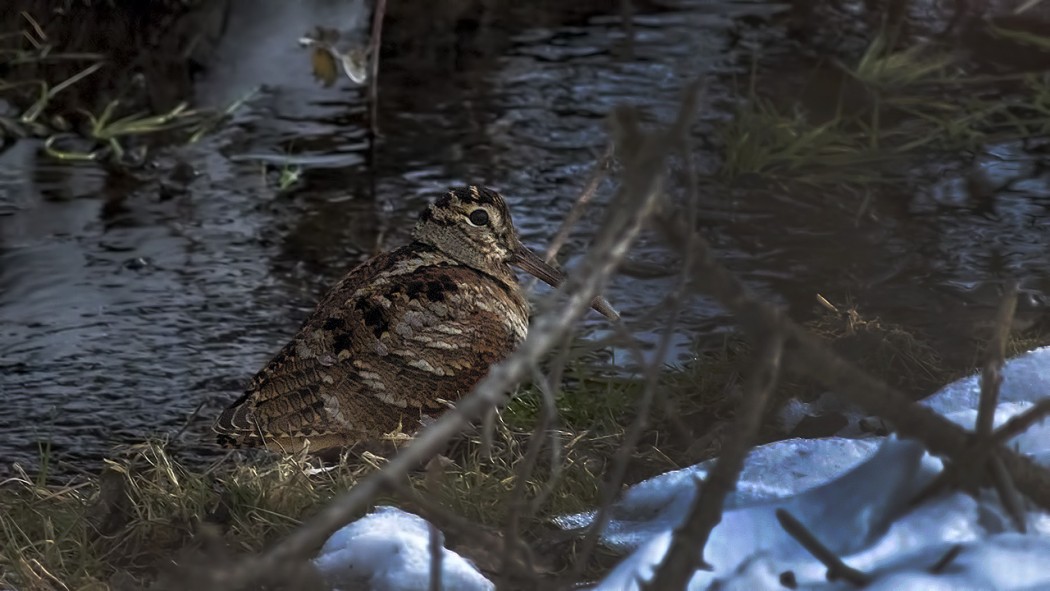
886,69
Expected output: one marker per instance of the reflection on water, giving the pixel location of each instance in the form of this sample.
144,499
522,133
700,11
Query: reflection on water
125,305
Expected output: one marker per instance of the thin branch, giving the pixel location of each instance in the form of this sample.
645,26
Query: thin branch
598,173
553,380
686,552
612,486
632,144
946,560
1008,495
972,469
992,376
523,471
374,45
436,554
950,477
836,568
627,23
1020,423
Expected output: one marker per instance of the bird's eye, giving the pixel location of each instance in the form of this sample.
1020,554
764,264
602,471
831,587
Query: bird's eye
479,217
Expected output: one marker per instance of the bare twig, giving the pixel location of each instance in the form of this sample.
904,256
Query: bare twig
375,43
432,510
524,470
992,376
946,560
1020,423
685,554
189,421
548,385
627,18
436,546
836,568
969,470
601,168
611,487
633,145
949,477
553,382
488,428
1008,495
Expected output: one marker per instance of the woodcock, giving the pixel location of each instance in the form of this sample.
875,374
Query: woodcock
400,336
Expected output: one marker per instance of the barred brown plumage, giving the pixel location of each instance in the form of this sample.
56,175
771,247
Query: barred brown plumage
400,336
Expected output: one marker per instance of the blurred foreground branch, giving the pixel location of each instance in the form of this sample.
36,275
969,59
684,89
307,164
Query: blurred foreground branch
836,568
685,553
374,44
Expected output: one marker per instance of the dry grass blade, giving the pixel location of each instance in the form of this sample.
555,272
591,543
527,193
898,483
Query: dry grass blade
992,376
685,553
836,568
146,508
1021,37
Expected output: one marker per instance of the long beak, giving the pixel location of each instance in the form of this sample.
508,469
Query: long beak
532,264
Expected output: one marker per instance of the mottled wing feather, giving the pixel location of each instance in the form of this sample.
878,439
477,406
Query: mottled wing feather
390,343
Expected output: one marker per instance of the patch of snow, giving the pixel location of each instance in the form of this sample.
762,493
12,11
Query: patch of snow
1025,379
854,495
389,550
857,502
772,471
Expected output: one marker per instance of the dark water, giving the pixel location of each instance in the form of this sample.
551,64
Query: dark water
126,305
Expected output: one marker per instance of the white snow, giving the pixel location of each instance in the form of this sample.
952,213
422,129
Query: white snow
853,495
389,550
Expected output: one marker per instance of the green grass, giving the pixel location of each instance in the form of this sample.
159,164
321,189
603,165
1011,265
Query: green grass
115,133
895,107
886,69
761,140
